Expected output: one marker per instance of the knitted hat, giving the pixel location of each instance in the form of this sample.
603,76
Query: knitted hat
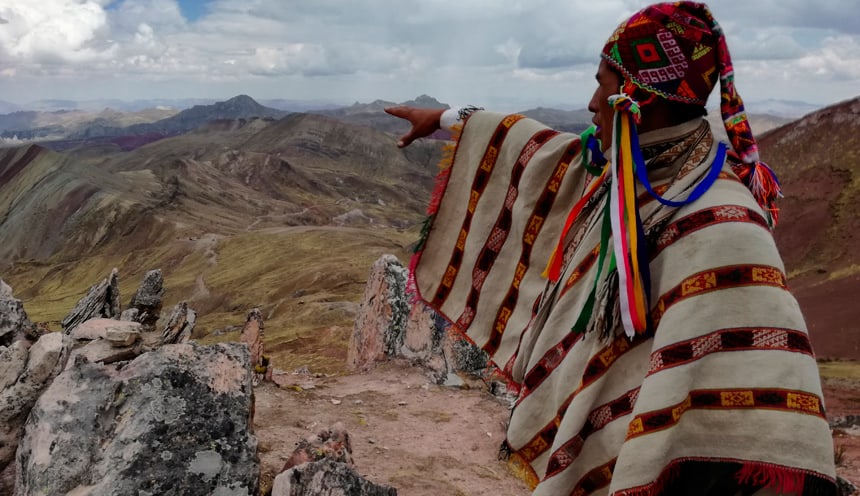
676,51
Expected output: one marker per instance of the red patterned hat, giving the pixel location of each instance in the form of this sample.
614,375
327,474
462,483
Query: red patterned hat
677,51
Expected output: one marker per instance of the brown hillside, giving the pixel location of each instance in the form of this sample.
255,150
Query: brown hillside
818,162
283,215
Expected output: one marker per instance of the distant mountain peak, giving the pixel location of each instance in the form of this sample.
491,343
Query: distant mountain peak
243,99
426,101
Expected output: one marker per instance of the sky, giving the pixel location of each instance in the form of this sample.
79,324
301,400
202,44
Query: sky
496,53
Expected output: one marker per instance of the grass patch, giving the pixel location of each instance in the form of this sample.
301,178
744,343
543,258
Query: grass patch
307,281
839,369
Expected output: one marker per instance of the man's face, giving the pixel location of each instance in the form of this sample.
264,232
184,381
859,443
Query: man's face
608,84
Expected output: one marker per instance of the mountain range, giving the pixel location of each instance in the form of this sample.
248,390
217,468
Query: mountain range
287,215
287,211
67,124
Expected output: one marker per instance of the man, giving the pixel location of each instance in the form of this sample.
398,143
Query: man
638,304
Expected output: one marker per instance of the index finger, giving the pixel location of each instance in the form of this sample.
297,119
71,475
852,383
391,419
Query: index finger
398,111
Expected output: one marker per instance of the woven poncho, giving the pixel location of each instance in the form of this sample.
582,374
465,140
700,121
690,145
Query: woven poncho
723,394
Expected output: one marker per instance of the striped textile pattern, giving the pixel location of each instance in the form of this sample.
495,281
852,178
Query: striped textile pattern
726,385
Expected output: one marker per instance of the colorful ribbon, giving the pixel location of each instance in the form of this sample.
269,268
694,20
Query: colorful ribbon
621,220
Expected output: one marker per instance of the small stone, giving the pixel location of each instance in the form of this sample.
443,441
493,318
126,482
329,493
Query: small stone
454,380
121,337
357,402
335,402
371,441
129,315
326,476
401,403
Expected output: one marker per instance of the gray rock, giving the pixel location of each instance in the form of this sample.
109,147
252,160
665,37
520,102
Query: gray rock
129,315
147,299
26,374
845,487
122,337
102,351
176,420
465,356
14,323
380,328
102,300
327,478
845,422
389,325
180,325
13,360
100,328
333,443
454,380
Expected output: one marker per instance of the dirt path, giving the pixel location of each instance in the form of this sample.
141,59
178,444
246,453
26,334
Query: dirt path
423,439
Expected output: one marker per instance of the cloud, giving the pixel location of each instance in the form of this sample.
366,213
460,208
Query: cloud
53,31
472,49
766,44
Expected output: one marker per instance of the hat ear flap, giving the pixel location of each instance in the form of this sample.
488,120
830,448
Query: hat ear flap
642,96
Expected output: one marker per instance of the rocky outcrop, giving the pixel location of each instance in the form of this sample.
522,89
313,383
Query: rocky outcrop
107,340
14,324
176,420
333,443
145,304
252,335
380,326
179,325
102,300
322,464
389,326
326,477
24,375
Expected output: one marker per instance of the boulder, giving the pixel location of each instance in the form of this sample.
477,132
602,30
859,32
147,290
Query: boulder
102,351
180,325
14,324
379,329
102,300
390,325
100,329
24,375
145,304
326,477
176,420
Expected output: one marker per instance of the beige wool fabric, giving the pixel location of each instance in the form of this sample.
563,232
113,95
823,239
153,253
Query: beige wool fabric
728,376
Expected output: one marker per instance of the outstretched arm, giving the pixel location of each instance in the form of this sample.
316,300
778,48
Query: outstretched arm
424,122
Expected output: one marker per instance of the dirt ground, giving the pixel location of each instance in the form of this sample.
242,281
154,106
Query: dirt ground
423,439
428,440
842,398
